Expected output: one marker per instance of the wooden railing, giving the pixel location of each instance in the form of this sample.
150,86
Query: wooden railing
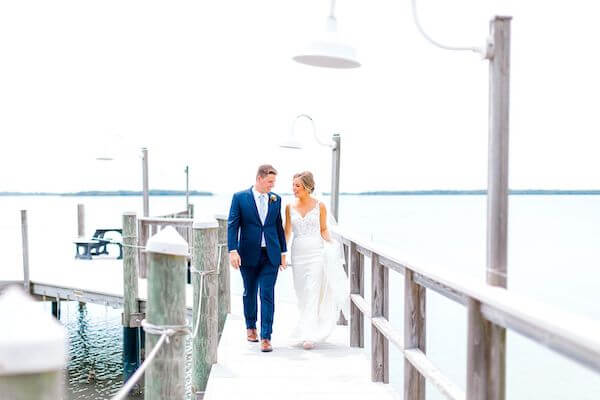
148,226
573,336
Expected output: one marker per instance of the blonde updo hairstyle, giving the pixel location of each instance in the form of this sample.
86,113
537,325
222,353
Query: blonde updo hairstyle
306,177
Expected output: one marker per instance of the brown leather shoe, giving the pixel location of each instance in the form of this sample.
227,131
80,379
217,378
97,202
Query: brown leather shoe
265,346
251,335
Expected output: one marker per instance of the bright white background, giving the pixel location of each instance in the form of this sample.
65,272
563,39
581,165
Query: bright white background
211,84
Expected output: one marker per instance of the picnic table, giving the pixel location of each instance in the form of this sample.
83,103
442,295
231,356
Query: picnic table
97,245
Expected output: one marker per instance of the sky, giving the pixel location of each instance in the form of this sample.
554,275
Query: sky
211,84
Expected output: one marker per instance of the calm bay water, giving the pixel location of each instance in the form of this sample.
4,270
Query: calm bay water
554,257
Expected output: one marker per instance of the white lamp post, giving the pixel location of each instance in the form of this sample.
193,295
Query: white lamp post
187,189
292,143
145,190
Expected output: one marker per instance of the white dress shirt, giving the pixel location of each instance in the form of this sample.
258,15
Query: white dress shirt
257,194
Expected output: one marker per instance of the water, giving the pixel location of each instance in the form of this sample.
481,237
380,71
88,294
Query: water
554,257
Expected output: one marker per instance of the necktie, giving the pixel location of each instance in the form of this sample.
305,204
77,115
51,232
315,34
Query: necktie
263,208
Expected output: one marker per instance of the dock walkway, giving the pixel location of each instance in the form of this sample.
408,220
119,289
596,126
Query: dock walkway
332,370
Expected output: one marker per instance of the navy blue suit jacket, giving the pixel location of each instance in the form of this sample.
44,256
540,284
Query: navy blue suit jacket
244,229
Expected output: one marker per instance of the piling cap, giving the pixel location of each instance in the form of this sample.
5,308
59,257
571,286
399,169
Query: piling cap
32,340
168,241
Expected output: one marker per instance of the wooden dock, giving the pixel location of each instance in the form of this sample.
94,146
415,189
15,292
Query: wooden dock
339,368
332,370
98,281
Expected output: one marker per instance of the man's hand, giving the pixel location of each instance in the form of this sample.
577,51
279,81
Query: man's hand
283,265
234,259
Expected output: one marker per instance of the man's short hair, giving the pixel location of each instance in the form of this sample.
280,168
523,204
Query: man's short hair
265,170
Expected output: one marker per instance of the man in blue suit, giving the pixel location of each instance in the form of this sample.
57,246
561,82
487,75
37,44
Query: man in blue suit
256,243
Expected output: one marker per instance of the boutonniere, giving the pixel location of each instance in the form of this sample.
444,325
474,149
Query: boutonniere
272,198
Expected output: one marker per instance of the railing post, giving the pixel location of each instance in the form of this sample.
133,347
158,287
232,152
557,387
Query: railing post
165,376
131,317
25,241
144,234
224,276
204,346
341,319
32,364
80,220
380,364
414,335
357,286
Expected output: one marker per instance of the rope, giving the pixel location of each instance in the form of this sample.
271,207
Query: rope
191,249
491,271
202,275
165,333
168,330
133,246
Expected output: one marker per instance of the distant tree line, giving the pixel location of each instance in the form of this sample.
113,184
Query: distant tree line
435,192
153,192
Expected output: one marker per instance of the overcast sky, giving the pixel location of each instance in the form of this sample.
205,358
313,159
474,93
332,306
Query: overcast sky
210,84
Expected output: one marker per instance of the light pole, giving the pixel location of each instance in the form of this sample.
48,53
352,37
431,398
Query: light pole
187,188
486,349
145,190
292,143
145,182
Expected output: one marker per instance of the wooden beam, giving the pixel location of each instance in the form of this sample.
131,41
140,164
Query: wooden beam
380,356
433,375
357,287
414,335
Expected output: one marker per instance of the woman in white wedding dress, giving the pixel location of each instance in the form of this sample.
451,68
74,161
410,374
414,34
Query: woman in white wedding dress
319,279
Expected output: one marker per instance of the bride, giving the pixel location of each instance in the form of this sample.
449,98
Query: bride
319,279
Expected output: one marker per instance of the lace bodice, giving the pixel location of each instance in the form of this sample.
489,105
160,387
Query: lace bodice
309,225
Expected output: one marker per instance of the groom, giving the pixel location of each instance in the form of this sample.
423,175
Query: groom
256,243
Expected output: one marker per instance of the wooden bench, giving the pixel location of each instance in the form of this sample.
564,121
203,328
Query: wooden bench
97,245
90,248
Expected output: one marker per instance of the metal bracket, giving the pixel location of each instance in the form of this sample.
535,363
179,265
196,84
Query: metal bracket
135,320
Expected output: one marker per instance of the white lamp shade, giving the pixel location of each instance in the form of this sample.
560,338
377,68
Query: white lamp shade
291,144
328,51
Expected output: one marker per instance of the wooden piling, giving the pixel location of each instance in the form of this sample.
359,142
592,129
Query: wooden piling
31,365
224,274
80,220
204,346
56,308
165,376
130,281
131,317
25,241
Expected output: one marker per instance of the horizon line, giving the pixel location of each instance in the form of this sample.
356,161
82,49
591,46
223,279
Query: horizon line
169,192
